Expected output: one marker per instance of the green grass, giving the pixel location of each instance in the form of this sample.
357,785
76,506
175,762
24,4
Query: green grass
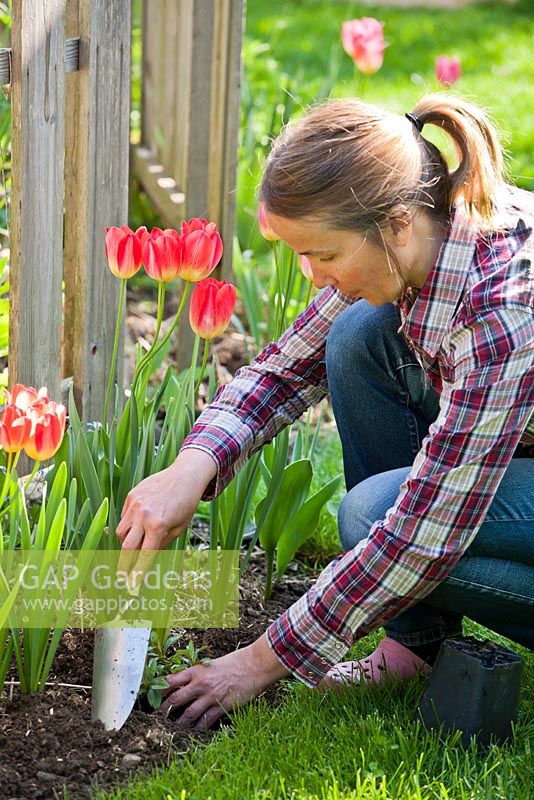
360,744
297,45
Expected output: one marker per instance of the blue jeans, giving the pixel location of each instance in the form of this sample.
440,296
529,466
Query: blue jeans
383,405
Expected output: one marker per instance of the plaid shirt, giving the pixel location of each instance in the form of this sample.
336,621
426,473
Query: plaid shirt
472,328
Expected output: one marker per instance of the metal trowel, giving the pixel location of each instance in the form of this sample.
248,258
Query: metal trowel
118,664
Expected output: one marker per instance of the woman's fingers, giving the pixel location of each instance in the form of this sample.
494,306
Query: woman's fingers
135,537
194,712
209,718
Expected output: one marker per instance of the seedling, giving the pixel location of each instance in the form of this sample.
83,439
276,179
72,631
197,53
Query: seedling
160,663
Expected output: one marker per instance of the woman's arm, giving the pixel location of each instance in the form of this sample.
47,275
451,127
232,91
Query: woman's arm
440,506
287,377
281,383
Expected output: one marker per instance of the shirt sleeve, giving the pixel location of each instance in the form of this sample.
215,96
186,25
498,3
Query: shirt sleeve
286,378
483,410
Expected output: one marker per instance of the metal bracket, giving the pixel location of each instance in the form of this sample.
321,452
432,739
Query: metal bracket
72,47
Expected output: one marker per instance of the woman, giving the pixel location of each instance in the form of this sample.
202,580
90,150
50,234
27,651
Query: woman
431,379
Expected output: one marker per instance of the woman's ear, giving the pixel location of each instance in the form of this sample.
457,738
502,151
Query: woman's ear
399,229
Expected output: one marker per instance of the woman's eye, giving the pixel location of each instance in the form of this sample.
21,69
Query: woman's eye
328,258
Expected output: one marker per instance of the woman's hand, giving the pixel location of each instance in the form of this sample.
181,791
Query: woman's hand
159,509
227,682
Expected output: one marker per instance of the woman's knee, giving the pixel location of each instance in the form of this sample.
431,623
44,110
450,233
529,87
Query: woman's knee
366,504
359,332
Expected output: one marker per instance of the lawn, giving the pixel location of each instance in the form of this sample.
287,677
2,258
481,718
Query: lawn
362,744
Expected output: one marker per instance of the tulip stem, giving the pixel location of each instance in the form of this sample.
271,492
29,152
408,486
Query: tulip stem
153,352
203,367
7,478
115,350
22,488
308,294
278,301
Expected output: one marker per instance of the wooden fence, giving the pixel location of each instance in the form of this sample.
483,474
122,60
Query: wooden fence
186,160
69,70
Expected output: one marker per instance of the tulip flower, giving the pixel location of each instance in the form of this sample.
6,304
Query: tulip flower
123,251
24,397
363,41
448,70
162,256
202,249
305,266
47,429
212,306
265,229
15,429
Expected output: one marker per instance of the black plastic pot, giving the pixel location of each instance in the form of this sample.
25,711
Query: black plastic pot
474,688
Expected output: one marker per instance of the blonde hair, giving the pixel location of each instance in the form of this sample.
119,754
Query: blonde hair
350,163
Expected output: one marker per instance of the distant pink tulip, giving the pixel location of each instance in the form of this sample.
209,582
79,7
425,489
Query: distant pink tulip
265,229
363,41
305,266
448,70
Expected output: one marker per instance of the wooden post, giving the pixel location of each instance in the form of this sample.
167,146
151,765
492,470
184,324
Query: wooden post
191,78
36,237
96,192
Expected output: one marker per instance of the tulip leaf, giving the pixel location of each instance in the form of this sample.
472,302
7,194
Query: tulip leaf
125,483
302,525
57,528
134,438
7,601
297,447
90,543
89,473
71,504
293,490
57,492
123,427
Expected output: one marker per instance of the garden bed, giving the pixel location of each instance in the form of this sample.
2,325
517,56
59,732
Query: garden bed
48,742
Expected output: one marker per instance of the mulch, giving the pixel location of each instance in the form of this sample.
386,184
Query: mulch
48,742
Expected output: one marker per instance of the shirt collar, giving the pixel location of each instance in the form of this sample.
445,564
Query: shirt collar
428,320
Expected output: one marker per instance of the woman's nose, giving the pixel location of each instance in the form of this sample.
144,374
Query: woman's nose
320,281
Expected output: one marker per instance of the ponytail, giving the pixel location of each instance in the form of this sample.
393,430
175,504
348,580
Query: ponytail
480,173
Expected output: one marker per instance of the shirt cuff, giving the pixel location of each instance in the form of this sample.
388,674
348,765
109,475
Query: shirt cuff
303,644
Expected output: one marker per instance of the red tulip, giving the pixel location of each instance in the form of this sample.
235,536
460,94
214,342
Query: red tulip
212,306
142,234
202,249
448,70
265,229
24,397
162,256
47,429
305,266
363,40
15,429
124,251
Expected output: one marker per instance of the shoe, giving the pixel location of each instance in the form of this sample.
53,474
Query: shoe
389,660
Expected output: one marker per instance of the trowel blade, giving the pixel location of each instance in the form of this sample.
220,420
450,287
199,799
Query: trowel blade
118,664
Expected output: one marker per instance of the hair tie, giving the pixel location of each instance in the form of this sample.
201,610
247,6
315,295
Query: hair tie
415,121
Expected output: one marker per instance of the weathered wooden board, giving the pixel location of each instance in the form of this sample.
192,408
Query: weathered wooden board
36,236
96,191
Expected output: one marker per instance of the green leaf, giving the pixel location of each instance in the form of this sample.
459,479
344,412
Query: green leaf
294,489
57,528
89,473
57,493
302,525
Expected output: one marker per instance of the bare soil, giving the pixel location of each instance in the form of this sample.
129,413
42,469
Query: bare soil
48,742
